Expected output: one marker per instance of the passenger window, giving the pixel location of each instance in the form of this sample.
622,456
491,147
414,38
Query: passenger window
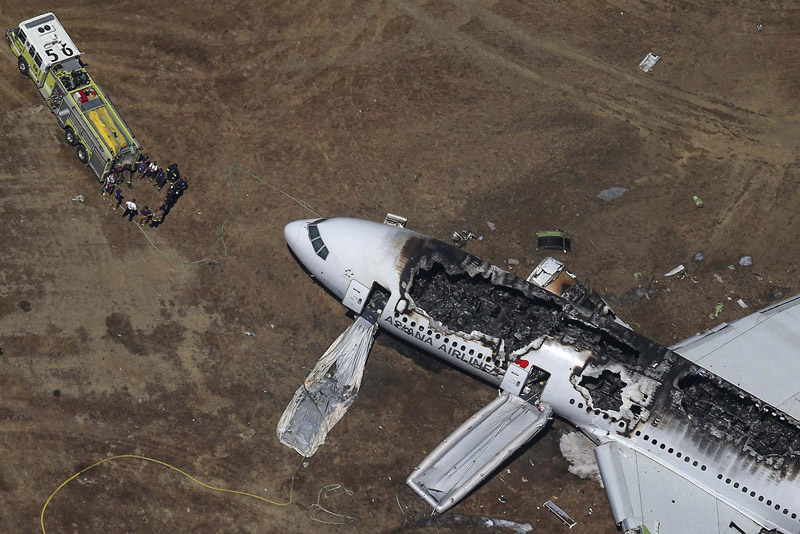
38,60
21,36
313,232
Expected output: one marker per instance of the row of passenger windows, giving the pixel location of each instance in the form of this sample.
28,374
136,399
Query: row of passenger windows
687,459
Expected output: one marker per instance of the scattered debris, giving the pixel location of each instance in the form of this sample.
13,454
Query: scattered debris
328,492
697,201
680,269
649,62
637,276
718,278
746,261
699,257
249,333
611,193
502,499
554,240
516,528
759,27
395,220
561,514
247,434
524,479
731,268
578,450
742,303
461,238
491,226
79,198
512,261
718,309
590,510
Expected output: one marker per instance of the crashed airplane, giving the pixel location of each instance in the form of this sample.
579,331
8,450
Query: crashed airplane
703,437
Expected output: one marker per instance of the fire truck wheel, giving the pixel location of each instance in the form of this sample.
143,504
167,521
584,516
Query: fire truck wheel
83,156
69,133
23,66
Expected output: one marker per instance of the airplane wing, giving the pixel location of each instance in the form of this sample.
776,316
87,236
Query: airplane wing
647,497
759,353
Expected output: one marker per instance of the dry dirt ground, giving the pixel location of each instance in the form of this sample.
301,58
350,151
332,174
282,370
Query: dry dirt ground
452,113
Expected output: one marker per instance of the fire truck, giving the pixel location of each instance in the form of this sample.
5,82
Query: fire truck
46,54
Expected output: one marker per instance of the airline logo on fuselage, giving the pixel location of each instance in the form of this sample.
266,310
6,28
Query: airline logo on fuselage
450,351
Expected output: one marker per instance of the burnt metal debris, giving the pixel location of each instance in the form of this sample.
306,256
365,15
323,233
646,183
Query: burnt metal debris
462,293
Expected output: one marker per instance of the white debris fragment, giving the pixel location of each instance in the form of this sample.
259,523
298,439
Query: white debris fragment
699,257
718,278
746,261
249,333
742,303
79,198
578,450
611,193
492,226
677,270
649,62
512,261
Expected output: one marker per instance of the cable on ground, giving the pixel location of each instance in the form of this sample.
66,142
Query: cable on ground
165,464
230,216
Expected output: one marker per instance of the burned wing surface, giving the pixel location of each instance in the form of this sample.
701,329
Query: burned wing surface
622,386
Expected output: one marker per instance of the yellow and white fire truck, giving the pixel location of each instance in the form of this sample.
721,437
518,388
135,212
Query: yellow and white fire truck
47,55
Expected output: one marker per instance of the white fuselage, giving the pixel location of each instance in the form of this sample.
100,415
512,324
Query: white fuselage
376,254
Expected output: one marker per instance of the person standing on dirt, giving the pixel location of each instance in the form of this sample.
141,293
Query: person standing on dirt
160,179
141,168
108,186
144,216
173,173
129,168
182,185
158,217
131,209
152,169
118,197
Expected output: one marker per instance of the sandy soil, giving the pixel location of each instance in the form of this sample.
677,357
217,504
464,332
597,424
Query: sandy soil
453,114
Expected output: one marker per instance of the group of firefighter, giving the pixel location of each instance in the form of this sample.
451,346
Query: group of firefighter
143,168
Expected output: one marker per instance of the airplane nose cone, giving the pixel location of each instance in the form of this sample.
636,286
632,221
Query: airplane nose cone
291,233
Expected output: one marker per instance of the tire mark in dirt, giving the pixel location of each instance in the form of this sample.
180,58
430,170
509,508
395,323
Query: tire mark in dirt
655,109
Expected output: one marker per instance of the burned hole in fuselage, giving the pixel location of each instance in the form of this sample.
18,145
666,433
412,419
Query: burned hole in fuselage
605,389
739,417
474,304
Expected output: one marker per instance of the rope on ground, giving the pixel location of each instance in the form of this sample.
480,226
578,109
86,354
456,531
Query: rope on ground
230,216
329,492
165,464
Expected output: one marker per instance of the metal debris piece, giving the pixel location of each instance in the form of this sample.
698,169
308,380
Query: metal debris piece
395,220
491,226
697,201
79,198
461,238
611,193
502,499
680,269
759,27
699,257
649,62
249,333
746,261
513,261
554,240
742,303
718,309
637,276
718,278
561,514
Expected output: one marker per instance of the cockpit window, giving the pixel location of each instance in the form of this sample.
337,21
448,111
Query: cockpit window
316,239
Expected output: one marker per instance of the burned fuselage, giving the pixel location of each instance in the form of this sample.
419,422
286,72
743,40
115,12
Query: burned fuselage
621,385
